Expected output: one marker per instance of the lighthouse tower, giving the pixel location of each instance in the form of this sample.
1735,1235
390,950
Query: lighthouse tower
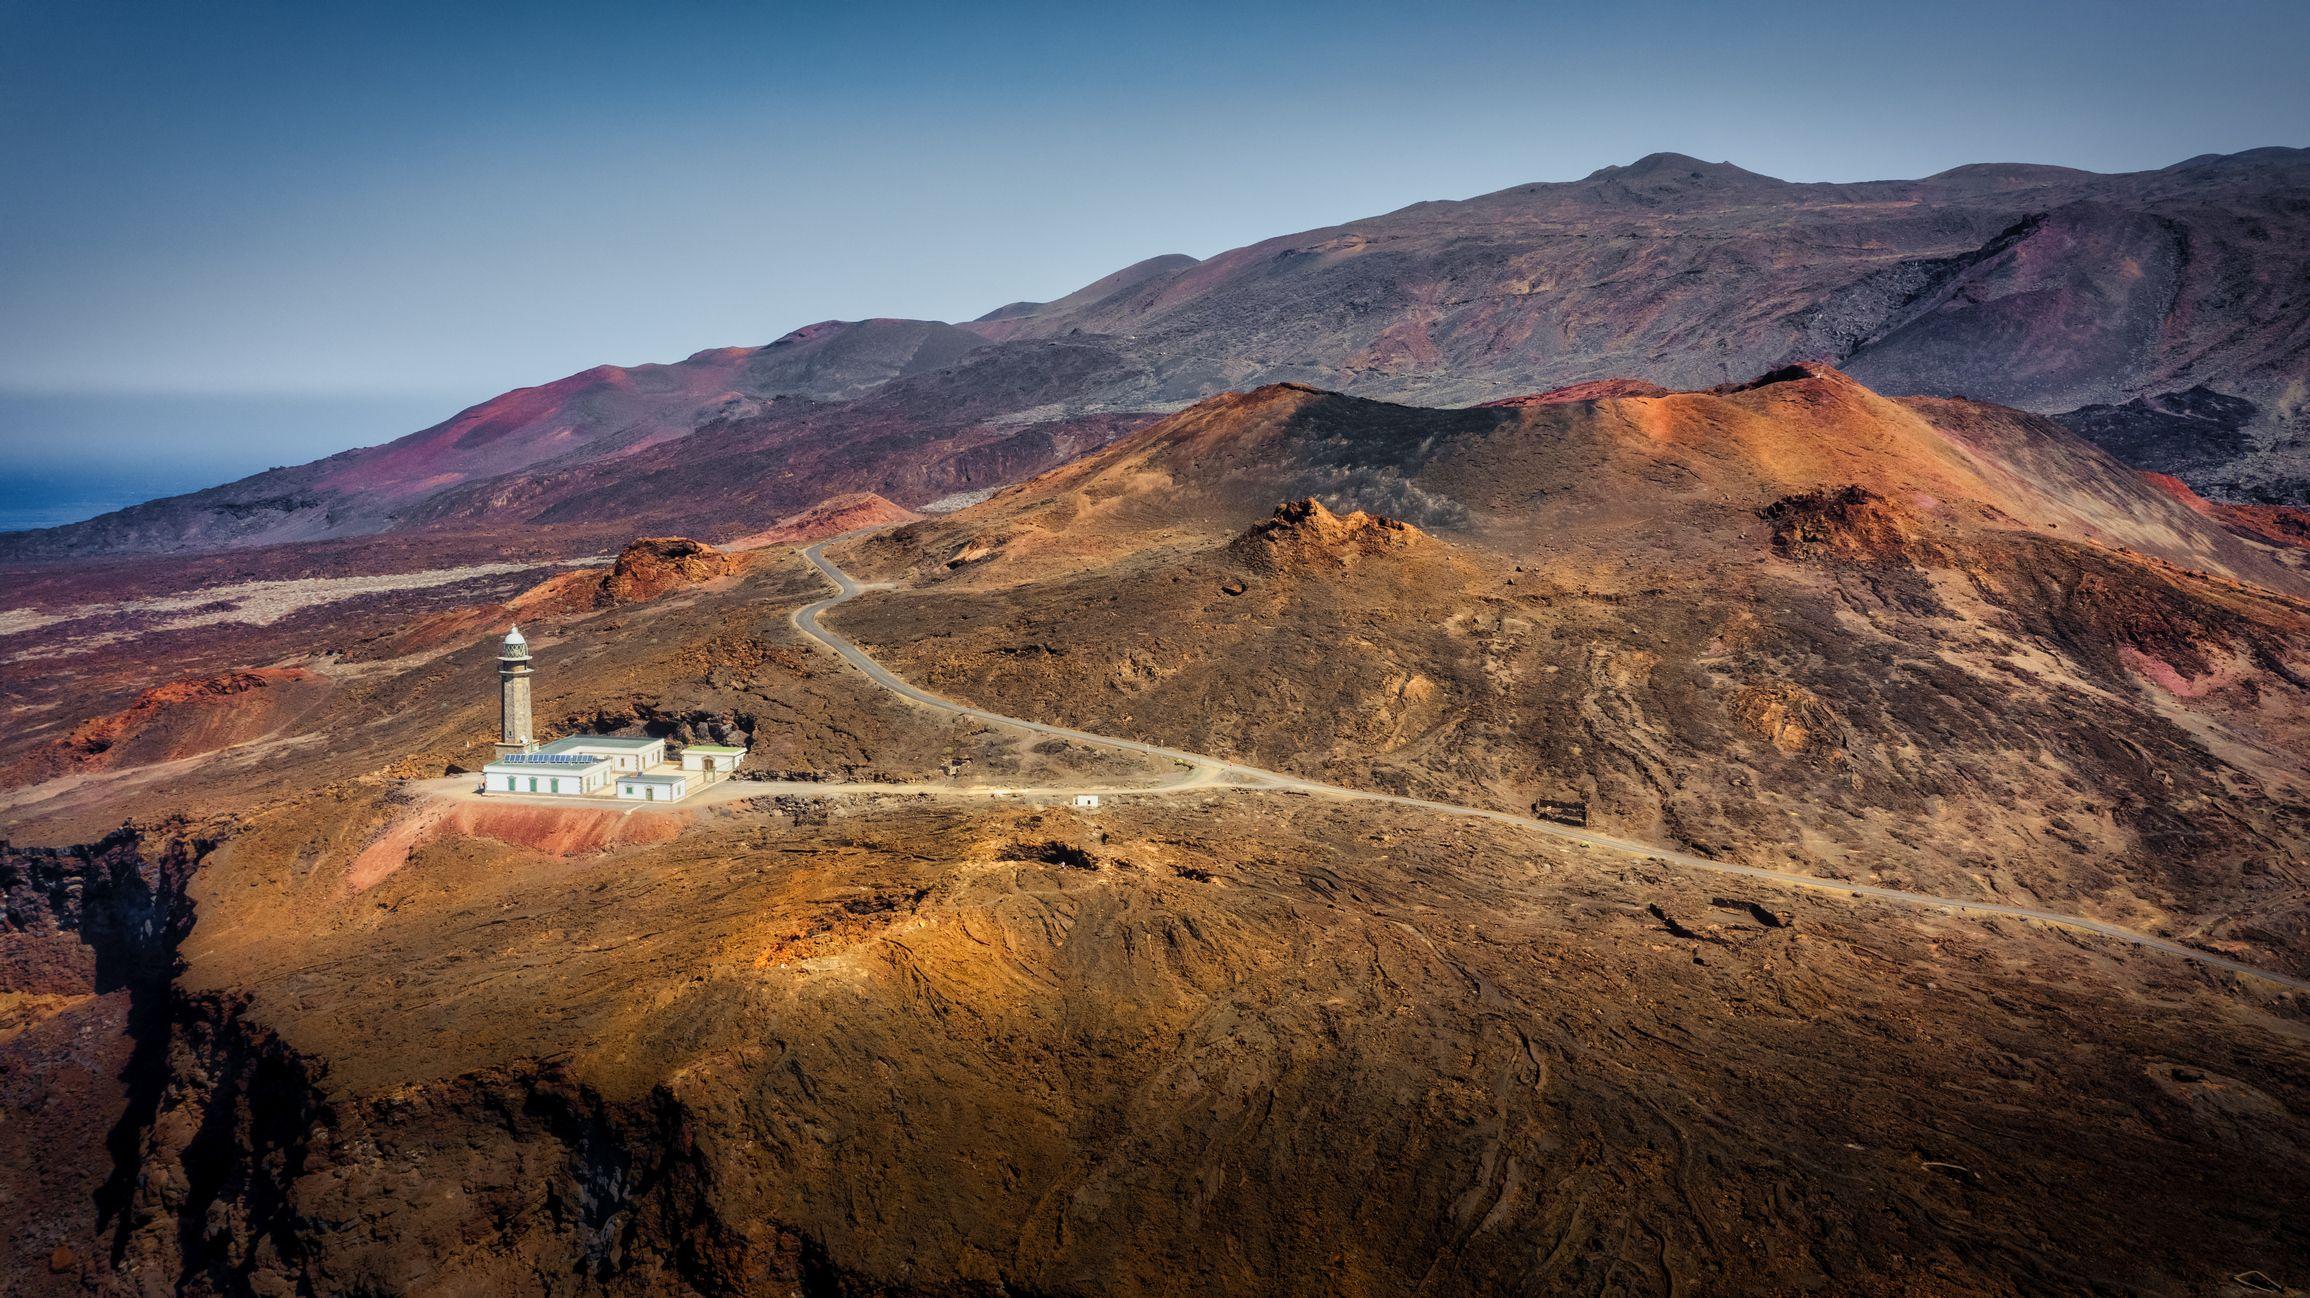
514,734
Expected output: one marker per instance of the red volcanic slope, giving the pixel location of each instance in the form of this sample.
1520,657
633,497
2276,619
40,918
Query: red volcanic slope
611,411
607,411
829,517
606,418
2275,524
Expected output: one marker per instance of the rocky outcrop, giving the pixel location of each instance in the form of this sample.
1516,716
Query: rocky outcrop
644,570
1303,535
1851,524
88,949
99,917
1791,717
682,726
655,565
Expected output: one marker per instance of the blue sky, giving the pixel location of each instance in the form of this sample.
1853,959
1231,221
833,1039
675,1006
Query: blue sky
307,226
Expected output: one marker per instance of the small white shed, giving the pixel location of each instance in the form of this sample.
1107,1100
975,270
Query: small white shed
1087,801
714,761
653,788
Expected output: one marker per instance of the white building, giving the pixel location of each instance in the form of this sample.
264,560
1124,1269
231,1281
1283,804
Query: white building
601,766
624,754
661,787
713,761
1087,801
565,774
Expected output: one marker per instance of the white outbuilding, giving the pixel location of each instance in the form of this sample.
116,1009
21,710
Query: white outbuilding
658,787
711,762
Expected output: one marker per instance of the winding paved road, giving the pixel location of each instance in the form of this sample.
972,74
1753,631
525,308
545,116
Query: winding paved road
1211,772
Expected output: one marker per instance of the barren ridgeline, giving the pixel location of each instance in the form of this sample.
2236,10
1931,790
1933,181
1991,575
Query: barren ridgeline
2156,312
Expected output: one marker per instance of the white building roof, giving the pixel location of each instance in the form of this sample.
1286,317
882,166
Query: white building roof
653,779
514,637
543,761
598,743
719,749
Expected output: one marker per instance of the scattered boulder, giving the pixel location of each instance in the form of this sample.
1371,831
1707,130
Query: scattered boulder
1768,918
1792,717
1051,852
1678,928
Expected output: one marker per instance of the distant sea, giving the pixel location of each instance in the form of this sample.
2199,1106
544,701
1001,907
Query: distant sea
65,457
28,517
35,498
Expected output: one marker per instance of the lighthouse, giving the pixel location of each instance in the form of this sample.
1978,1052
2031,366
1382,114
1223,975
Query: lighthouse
609,767
514,733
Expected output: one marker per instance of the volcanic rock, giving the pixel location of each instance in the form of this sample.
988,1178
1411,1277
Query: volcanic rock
1303,534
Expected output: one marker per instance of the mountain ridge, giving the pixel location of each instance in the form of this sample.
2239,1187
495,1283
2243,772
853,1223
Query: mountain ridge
2054,290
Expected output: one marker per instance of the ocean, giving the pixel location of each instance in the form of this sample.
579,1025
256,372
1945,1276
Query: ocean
65,457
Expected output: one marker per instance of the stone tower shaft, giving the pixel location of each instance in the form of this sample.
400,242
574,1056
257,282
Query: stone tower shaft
513,674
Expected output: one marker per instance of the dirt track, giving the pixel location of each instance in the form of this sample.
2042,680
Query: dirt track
807,620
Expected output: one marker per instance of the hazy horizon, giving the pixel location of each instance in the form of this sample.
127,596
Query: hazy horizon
261,235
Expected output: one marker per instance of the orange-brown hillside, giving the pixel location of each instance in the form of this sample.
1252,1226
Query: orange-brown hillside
829,517
1788,620
183,718
1684,471
362,1032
